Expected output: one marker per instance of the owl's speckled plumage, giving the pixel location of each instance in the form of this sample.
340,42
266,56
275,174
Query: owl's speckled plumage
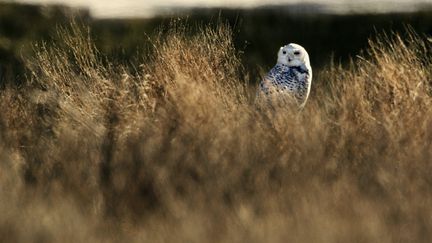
291,76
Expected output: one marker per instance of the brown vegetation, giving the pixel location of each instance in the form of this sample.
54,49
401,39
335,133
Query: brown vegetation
179,152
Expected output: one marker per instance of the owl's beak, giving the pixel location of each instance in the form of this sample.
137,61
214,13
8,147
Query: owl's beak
289,59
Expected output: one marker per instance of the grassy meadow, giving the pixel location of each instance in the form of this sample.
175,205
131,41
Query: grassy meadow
176,150
171,145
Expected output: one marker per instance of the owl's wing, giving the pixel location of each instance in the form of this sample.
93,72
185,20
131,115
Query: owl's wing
274,80
286,83
302,86
267,83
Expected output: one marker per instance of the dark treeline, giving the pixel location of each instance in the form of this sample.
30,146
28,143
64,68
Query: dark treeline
258,32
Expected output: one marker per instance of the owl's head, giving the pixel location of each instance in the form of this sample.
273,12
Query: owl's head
293,55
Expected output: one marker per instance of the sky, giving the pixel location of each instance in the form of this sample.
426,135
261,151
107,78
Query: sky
148,8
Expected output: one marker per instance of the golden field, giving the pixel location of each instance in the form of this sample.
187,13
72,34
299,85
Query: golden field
177,150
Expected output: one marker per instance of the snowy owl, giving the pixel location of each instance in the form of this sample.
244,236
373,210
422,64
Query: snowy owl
290,77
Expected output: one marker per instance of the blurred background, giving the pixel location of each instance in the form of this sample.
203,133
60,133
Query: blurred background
329,29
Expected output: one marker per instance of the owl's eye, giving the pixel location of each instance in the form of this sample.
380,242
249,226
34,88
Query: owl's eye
284,52
296,53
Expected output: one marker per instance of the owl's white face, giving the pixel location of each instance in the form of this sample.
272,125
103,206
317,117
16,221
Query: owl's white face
293,55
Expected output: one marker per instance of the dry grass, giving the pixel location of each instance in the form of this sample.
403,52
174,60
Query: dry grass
179,152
